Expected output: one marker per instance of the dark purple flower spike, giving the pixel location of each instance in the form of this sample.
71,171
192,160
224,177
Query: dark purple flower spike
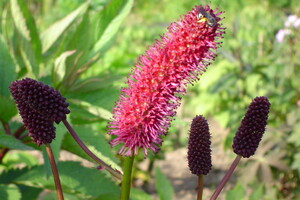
199,150
252,128
39,106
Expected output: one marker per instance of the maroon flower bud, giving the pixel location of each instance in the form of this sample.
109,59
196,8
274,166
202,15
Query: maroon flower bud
199,158
252,128
39,106
41,98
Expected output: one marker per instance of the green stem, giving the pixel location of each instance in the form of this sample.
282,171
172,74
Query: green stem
126,182
226,178
200,187
58,187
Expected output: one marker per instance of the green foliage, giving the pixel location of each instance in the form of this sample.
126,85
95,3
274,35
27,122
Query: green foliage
85,48
10,192
13,143
237,193
257,193
75,179
59,42
95,141
163,186
7,108
136,194
7,69
20,158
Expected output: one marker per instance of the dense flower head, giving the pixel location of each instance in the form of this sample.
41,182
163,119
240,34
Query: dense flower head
39,106
159,79
252,127
199,151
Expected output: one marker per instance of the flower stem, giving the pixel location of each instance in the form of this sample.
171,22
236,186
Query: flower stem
200,187
3,153
226,178
20,130
113,172
126,182
58,187
6,127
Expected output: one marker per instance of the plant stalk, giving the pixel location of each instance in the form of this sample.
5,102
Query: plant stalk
20,130
226,178
3,153
200,187
6,128
126,182
114,172
58,187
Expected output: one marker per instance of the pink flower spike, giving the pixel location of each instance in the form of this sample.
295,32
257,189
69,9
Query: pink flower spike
159,79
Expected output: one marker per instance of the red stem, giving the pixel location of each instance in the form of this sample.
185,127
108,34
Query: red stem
20,130
3,153
59,192
200,187
114,172
226,178
6,128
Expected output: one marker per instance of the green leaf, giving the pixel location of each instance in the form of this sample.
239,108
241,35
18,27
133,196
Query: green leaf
7,69
104,98
109,21
7,108
30,40
108,197
136,194
47,166
9,192
237,193
19,157
258,193
59,69
92,109
29,193
12,143
94,36
56,144
95,141
163,186
95,83
50,36
10,175
74,178
53,196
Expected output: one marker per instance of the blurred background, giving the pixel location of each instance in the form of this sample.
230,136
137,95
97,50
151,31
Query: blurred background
88,57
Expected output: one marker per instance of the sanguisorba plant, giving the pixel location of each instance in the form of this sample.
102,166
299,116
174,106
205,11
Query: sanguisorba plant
159,79
147,106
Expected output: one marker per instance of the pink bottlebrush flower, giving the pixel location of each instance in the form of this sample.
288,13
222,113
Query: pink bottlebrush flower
159,79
